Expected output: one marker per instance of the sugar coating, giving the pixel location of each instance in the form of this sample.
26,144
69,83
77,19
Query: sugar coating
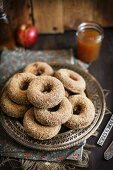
45,92
86,115
54,117
10,108
14,88
36,130
71,80
39,68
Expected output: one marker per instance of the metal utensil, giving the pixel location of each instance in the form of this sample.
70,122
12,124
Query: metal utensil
108,154
105,132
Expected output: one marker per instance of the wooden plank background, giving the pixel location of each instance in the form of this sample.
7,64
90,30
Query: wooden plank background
18,12
48,15
75,12
55,16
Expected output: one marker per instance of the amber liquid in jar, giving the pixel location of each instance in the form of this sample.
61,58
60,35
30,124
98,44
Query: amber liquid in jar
88,44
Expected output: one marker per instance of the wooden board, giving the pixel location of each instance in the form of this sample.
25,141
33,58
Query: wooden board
48,15
18,12
103,12
55,16
75,12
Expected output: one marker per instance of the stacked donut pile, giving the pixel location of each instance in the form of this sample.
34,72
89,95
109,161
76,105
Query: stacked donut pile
46,99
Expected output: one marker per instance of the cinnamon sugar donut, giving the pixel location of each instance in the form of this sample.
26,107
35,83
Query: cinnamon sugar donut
36,130
45,92
86,112
39,68
17,87
71,80
54,116
10,108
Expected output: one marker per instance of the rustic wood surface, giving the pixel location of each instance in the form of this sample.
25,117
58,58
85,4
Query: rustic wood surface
48,16
57,16
18,12
77,11
102,69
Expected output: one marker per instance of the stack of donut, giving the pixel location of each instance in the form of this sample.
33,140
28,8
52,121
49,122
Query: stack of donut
46,99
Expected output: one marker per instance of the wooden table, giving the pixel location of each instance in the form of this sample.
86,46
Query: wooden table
102,69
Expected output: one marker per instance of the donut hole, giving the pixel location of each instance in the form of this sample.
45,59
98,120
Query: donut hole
39,72
70,93
47,88
54,109
73,77
34,65
24,85
64,129
77,110
86,93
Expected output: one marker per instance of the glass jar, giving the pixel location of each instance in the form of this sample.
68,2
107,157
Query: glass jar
89,40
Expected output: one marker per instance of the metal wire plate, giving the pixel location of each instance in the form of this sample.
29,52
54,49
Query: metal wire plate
66,138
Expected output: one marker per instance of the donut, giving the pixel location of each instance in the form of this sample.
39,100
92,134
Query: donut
17,87
39,68
71,80
86,112
10,108
36,130
54,116
45,92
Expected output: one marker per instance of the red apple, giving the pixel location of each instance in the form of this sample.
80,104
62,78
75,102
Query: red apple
27,35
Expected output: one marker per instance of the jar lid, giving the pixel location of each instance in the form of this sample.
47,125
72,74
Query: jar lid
91,25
